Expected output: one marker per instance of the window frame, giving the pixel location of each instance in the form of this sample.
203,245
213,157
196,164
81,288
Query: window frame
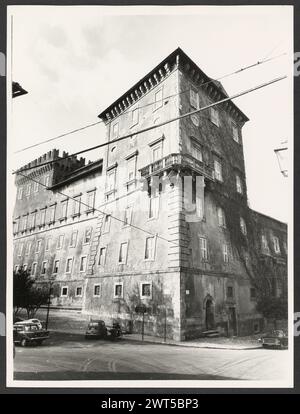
80,262
122,290
218,173
97,285
44,267
55,267
99,259
67,293
153,249
124,261
66,267
204,257
76,294
142,283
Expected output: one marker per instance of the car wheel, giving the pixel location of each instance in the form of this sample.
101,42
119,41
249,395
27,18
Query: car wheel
23,342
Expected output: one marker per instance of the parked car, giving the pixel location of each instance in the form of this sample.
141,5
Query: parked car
115,331
275,339
29,333
35,321
96,330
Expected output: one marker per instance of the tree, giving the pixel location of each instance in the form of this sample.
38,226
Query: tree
273,308
22,283
26,295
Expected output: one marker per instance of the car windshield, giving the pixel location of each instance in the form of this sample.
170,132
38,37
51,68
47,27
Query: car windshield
31,328
93,325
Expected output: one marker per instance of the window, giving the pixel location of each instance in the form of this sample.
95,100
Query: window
221,217
218,170
73,239
33,268
252,293
51,214
264,242
150,248
21,246
38,246
83,261
127,215
214,116
158,99
36,187
194,98
78,291
28,189
132,141
28,248
123,252
239,187
64,209
55,266
229,292
146,290
153,206
47,243
96,290
243,226
115,130
118,290
235,132
135,116
276,244
87,235
111,180
16,225
20,193
44,267
102,256
199,207
197,152
76,205
43,217
64,291
24,223
157,152
25,267
47,180
225,253
203,248
60,241
90,200
106,224
131,163
33,220
69,264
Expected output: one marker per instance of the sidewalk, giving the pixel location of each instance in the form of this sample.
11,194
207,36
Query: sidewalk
212,343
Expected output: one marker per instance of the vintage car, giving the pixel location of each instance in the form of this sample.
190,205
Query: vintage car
35,321
96,330
275,339
29,333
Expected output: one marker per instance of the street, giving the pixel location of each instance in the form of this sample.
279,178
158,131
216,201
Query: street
67,356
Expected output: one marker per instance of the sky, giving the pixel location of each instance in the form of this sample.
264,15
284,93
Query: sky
75,61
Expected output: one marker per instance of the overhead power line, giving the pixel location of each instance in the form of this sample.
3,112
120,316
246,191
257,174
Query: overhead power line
150,103
237,95
100,211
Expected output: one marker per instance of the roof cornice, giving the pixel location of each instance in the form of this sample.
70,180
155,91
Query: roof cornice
176,60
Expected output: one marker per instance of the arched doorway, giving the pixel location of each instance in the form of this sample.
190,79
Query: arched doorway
209,313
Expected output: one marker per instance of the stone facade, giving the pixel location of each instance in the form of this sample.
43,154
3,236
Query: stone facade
172,229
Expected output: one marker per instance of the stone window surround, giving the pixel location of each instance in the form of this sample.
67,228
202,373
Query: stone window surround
118,284
94,290
62,290
145,282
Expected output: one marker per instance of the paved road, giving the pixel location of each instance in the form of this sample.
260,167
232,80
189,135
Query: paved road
70,357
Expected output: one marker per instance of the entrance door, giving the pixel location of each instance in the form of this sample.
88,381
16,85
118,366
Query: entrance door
232,321
209,315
